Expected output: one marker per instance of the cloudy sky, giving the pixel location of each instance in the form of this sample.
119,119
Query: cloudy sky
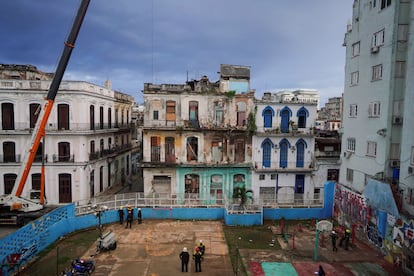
287,43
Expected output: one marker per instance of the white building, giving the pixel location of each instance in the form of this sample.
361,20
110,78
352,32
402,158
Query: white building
378,136
283,147
87,141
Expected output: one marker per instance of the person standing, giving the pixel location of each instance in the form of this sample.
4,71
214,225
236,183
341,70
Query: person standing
139,216
334,237
202,247
347,237
130,216
198,257
185,257
121,215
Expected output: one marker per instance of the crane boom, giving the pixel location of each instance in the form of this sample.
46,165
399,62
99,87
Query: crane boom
39,131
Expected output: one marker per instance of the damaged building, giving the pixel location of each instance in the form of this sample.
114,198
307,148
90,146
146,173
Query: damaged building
196,137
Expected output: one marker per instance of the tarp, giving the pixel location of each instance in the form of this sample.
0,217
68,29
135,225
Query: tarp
379,196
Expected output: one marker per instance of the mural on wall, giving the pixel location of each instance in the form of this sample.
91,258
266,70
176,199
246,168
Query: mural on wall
14,260
350,207
403,234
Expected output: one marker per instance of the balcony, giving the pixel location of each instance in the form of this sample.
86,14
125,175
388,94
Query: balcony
63,158
290,167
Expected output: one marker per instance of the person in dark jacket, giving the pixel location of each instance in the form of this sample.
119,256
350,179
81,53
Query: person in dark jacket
139,216
185,257
198,257
334,237
121,215
202,247
130,216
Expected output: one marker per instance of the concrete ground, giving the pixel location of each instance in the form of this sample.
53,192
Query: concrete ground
153,248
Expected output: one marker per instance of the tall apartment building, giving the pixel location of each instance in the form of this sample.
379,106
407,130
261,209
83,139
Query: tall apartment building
194,136
87,141
378,134
283,148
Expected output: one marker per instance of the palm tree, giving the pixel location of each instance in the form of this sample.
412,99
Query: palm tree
243,195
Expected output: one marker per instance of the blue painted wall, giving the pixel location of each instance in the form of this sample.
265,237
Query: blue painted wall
29,240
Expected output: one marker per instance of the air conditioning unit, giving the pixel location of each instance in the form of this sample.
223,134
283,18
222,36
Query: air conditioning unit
395,163
374,49
347,154
410,169
397,120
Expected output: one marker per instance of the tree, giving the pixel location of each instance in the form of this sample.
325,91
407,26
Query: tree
243,195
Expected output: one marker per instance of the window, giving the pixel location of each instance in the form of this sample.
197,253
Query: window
300,153
155,149
261,177
63,117
267,114
7,116
109,117
350,144
218,113
402,32
285,115
155,114
169,150
91,117
283,158
9,152
302,114
64,151
349,175
192,149
385,3
371,148
333,175
374,109
412,156
354,78
9,179
353,110
241,114
193,111
267,146
170,116
34,113
299,184
101,117
377,72
355,49
273,176
400,69
378,39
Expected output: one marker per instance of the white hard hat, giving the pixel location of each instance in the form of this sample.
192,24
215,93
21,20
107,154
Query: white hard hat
201,241
185,249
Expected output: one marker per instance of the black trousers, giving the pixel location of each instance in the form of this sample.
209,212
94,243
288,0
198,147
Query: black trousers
198,266
184,266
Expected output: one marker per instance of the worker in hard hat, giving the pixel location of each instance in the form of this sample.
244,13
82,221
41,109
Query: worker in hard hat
202,247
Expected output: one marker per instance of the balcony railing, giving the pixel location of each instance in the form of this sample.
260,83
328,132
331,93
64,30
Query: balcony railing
276,165
63,158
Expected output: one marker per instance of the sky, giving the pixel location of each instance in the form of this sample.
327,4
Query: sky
288,44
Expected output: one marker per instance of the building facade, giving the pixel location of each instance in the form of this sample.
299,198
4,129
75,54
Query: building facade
376,172
86,145
195,136
283,147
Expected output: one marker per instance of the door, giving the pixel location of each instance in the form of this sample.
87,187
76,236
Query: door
169,150
65,188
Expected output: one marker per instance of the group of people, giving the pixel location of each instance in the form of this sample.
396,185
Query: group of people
345,239
130,216
198,255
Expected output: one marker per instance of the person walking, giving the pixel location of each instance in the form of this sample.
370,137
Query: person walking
198,257
184,257
121,215
334,237
139,216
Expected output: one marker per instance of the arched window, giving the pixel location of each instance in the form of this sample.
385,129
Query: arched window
300,153
268,114
284,146
267,146
285,115
302,114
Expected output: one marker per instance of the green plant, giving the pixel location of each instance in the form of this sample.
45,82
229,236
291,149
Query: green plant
243,195
230,94
251,123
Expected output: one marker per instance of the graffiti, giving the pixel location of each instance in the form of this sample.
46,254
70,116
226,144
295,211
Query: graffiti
404,233
16,259
374,237
352,205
